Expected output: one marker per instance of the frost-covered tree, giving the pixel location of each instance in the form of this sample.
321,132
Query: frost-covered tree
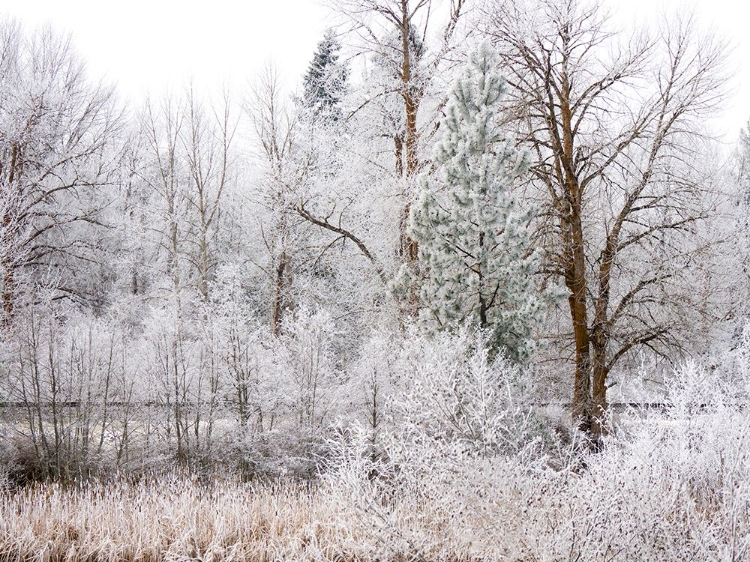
397,32
59,149
736,230
472,230
743,166
616,125
325,79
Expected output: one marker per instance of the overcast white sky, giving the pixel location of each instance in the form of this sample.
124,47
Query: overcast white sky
151,45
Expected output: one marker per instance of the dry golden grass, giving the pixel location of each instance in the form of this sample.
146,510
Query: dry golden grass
180,519
176,519
648,501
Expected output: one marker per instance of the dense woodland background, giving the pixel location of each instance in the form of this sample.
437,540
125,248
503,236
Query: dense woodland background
478,291
478,225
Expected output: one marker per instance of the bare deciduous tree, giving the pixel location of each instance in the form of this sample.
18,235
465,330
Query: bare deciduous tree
164,175
187,167
58,148
397,32
614,126
275,125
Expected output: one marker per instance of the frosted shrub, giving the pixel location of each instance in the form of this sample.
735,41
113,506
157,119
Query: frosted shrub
454,427
284,388
462,470
69,382
676,486
176,382
735,368
373,383
305,354
458,396
442,396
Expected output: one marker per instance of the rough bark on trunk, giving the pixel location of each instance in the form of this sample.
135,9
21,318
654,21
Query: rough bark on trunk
575,275
409,248
8,265
8,291
575,280
279,297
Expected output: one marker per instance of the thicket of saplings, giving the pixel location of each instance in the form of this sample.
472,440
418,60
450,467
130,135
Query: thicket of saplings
422,448
98,398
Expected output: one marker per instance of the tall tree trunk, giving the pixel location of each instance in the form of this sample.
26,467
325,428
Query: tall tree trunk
600,336
279,297
582,408
8,265
409,248
599,346
575,278
204,264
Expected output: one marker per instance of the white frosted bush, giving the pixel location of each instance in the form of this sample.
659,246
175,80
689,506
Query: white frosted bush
670,484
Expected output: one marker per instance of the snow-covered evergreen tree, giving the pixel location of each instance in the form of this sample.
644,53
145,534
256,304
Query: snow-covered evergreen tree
472,231
325,79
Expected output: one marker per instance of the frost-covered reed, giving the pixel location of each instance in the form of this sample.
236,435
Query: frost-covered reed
169,519
666,488
460,469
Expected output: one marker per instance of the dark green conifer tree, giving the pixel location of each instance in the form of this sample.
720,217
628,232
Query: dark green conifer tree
325,79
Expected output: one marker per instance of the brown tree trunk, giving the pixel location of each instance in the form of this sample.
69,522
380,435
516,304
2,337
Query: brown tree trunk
9,279
409,247
279,297
600,372
575,266
600,332
398,145
8,291
582,408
